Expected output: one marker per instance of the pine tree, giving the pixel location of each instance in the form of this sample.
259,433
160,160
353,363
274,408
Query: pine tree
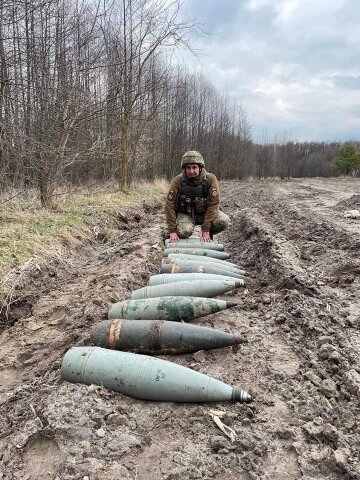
348,160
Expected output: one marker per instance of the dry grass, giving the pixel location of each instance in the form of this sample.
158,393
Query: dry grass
27,230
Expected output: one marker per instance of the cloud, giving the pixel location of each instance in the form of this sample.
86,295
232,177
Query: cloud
293,64
351,82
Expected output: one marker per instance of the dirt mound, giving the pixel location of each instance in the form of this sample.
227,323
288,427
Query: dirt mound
350,203
298,317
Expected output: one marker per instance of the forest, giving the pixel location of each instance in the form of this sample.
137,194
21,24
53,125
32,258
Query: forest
92,91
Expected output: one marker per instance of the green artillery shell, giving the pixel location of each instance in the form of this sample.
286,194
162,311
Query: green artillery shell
198,258
165,278
144,377
192,267
192,245
198,251
174,258
168,308
185,241
196,288
158,336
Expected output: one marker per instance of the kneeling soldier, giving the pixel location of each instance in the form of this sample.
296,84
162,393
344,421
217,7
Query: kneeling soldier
193,199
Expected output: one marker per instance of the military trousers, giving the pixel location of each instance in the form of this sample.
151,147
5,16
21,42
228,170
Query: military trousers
185,223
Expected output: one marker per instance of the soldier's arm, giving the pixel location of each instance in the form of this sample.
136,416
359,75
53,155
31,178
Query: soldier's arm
170,204
213,203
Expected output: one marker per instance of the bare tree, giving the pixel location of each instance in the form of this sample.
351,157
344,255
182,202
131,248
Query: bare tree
263,156
143,30
89,90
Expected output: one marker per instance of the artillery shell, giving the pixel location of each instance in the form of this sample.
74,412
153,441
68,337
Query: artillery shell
158,336
187,266
145,377
165,278
168,308
196,288
192,245
186,241
203,252
201,259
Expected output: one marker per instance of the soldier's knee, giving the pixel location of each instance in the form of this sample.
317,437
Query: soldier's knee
185,231
184,225
220,223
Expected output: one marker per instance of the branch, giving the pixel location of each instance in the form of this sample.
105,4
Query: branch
8,200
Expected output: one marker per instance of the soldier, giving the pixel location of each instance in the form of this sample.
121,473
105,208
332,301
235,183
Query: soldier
193,199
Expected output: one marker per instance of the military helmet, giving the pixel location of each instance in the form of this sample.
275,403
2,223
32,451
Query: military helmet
192,156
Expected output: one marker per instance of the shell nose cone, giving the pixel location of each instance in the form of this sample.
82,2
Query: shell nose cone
240,395
248,398
231,304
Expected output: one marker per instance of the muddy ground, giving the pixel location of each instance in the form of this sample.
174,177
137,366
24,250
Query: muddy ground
298,315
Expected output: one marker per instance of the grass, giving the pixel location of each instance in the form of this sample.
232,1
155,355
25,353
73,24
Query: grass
27,230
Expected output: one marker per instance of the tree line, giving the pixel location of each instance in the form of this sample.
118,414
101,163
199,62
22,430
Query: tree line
91,91
288,158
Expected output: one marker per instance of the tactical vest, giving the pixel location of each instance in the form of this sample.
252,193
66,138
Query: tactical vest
193,199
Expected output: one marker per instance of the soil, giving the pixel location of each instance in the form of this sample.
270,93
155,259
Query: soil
299,316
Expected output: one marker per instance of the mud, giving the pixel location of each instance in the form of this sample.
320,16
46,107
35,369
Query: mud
298,316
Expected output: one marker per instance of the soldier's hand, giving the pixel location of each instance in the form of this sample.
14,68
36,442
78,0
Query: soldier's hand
174,237
205,237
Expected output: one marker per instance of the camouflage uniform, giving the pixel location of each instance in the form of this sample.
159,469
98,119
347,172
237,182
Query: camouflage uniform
203,210
185,224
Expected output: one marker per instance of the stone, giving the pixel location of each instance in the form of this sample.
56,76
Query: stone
116,419
330,432
325,339
218,443
341,457
286,434
280,318
328,387
315,379
351,380
313,428
199,356
100,433
335,356
177,474
326,350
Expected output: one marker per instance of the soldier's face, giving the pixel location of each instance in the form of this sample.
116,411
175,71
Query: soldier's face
192,170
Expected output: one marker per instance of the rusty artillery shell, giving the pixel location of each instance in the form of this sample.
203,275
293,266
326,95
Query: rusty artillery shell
196,288
201,259
165,278
158,336
141,376
177,265
203,252
190,267
168,308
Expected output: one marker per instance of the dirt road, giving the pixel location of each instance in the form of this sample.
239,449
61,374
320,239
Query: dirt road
299,317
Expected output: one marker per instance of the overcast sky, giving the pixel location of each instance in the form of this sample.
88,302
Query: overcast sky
293,64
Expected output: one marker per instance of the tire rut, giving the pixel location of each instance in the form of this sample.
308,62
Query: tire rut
313,319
